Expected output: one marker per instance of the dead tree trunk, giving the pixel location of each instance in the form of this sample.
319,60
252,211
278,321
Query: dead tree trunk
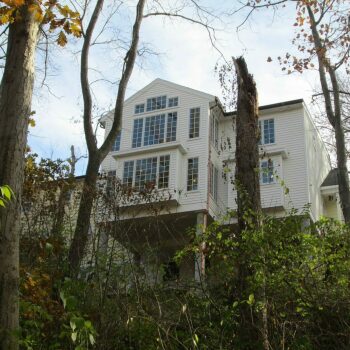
15,108
247,176
247,152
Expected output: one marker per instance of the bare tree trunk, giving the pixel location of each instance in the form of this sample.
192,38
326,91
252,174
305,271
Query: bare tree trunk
77,248
247,174
96,155
247,151
334,115
15,108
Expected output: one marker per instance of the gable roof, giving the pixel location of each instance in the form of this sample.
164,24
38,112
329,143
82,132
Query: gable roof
166,83
331,179
169,84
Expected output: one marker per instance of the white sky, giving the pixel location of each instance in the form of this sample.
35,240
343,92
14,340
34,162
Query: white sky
185,56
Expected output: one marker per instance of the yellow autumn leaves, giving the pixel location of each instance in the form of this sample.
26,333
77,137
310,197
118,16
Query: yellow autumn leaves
52,13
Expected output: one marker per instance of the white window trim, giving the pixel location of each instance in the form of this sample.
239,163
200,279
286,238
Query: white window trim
262,131
157,172
189,124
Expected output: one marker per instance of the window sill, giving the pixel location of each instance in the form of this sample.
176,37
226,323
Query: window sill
149,149
193,191
194,138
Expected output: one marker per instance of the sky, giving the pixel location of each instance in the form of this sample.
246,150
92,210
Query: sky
178,51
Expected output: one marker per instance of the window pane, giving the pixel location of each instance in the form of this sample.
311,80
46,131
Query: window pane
116,144
145,173
128,173
171,127
164,168
137,133
192,174
155,103
154,130
194,122
269,131
173,102
267,170
139,108
213,184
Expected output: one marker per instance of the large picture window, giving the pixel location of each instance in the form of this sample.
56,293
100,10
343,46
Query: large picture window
194,122
147,172
154,130
192,174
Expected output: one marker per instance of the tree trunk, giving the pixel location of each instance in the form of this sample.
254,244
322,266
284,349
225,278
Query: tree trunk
247,151
77,248
247,180
96,155
15,108
334,115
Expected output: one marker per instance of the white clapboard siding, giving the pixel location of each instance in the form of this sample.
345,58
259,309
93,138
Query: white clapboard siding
301,162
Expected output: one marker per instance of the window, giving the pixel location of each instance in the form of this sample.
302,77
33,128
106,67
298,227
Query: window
128,173
213,184
192,174
140,108
267,131
145,173
116,144
173,102
214,131
164,169
266,171
154,130
194,122
137,133
171,127
155,103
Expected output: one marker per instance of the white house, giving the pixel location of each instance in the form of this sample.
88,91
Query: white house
180,142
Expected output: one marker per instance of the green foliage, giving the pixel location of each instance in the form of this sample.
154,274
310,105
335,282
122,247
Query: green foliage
5,195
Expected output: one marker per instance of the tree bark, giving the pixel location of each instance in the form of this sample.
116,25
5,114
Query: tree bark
77,248
247,178
334,115
15,108
96,155
247,151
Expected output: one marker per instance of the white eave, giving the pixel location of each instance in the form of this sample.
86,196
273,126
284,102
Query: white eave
327,190
149,149
270,152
